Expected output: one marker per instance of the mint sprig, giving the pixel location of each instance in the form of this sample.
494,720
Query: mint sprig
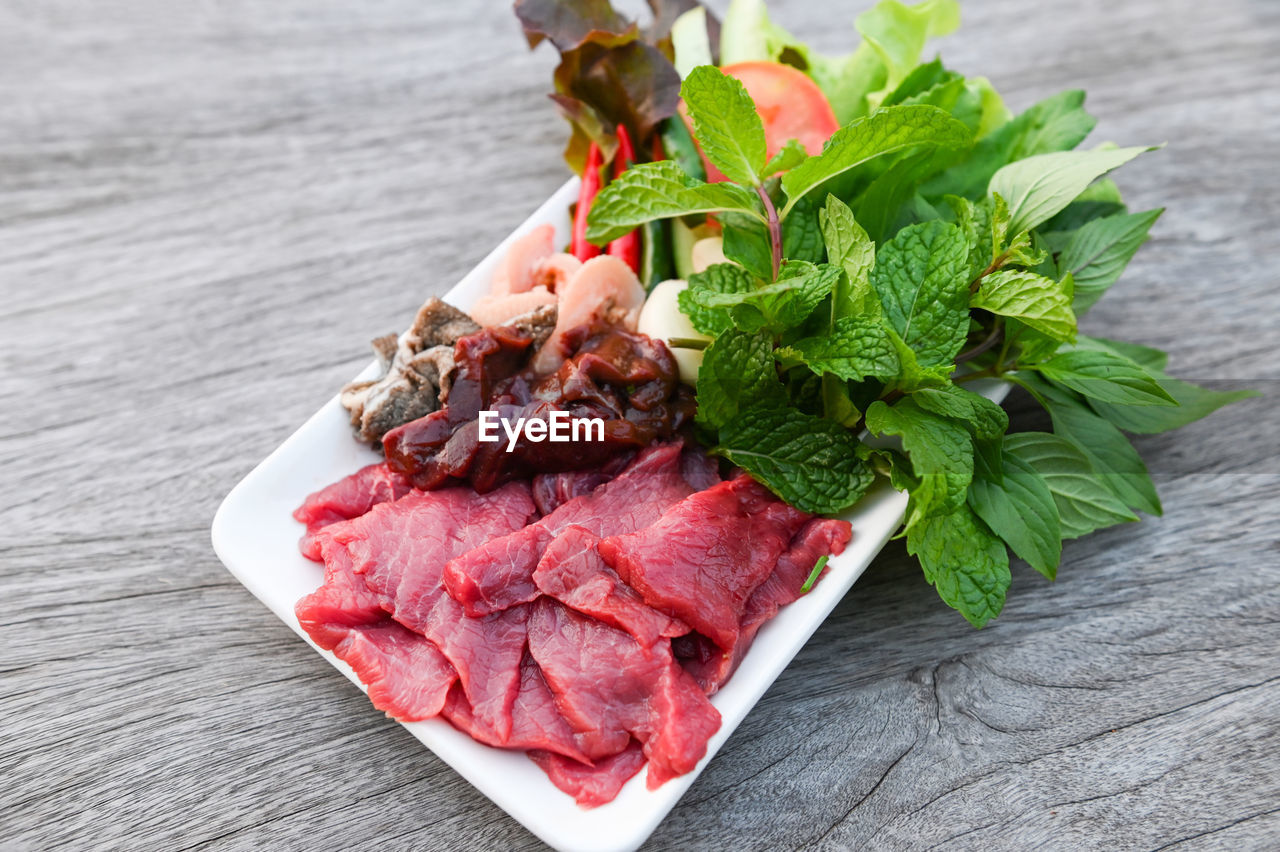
932,243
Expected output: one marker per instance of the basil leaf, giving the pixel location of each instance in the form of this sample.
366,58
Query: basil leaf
1112,456
1085,502
1058,123
810,462
1099,251
920,277
1194,402
963,560
1019,507
725,123
1104,376
1038,187
1035,301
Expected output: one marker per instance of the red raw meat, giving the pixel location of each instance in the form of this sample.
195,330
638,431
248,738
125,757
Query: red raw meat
711,665
407,675
535,721
500,574
347,498
596,785
610,687
368,557
704,557
572,572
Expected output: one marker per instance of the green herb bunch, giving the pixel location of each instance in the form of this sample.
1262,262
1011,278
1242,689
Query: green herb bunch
934,247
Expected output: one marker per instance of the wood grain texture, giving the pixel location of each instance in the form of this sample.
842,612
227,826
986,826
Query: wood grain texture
206,210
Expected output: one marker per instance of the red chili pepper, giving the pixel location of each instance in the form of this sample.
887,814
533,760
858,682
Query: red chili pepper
627,248
587,191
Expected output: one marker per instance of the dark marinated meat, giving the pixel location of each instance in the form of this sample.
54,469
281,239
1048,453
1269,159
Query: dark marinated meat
592,786
551,490
499,574
573,572
626,380
609,687
703,558
416,372
347,498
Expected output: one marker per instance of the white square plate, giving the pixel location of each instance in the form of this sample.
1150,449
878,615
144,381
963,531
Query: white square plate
256,537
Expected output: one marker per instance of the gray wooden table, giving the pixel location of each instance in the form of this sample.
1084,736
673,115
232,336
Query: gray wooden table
206,210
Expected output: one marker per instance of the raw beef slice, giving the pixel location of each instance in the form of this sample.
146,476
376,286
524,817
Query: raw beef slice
347,498
610,688
704,557
500,574
406,674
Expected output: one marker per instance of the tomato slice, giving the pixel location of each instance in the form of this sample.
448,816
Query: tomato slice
789,103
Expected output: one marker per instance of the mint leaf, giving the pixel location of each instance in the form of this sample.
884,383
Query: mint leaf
737,371
1019,507
720,278
849,247
1085,501
984,418
785,304
1194,402
966,563
880,204
788,157
1105,376
746,241
857,348
914,375
660,190
920,277
810,462
802,234
888,130
725,123
1099,251
1038,187
940,450
1033,300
